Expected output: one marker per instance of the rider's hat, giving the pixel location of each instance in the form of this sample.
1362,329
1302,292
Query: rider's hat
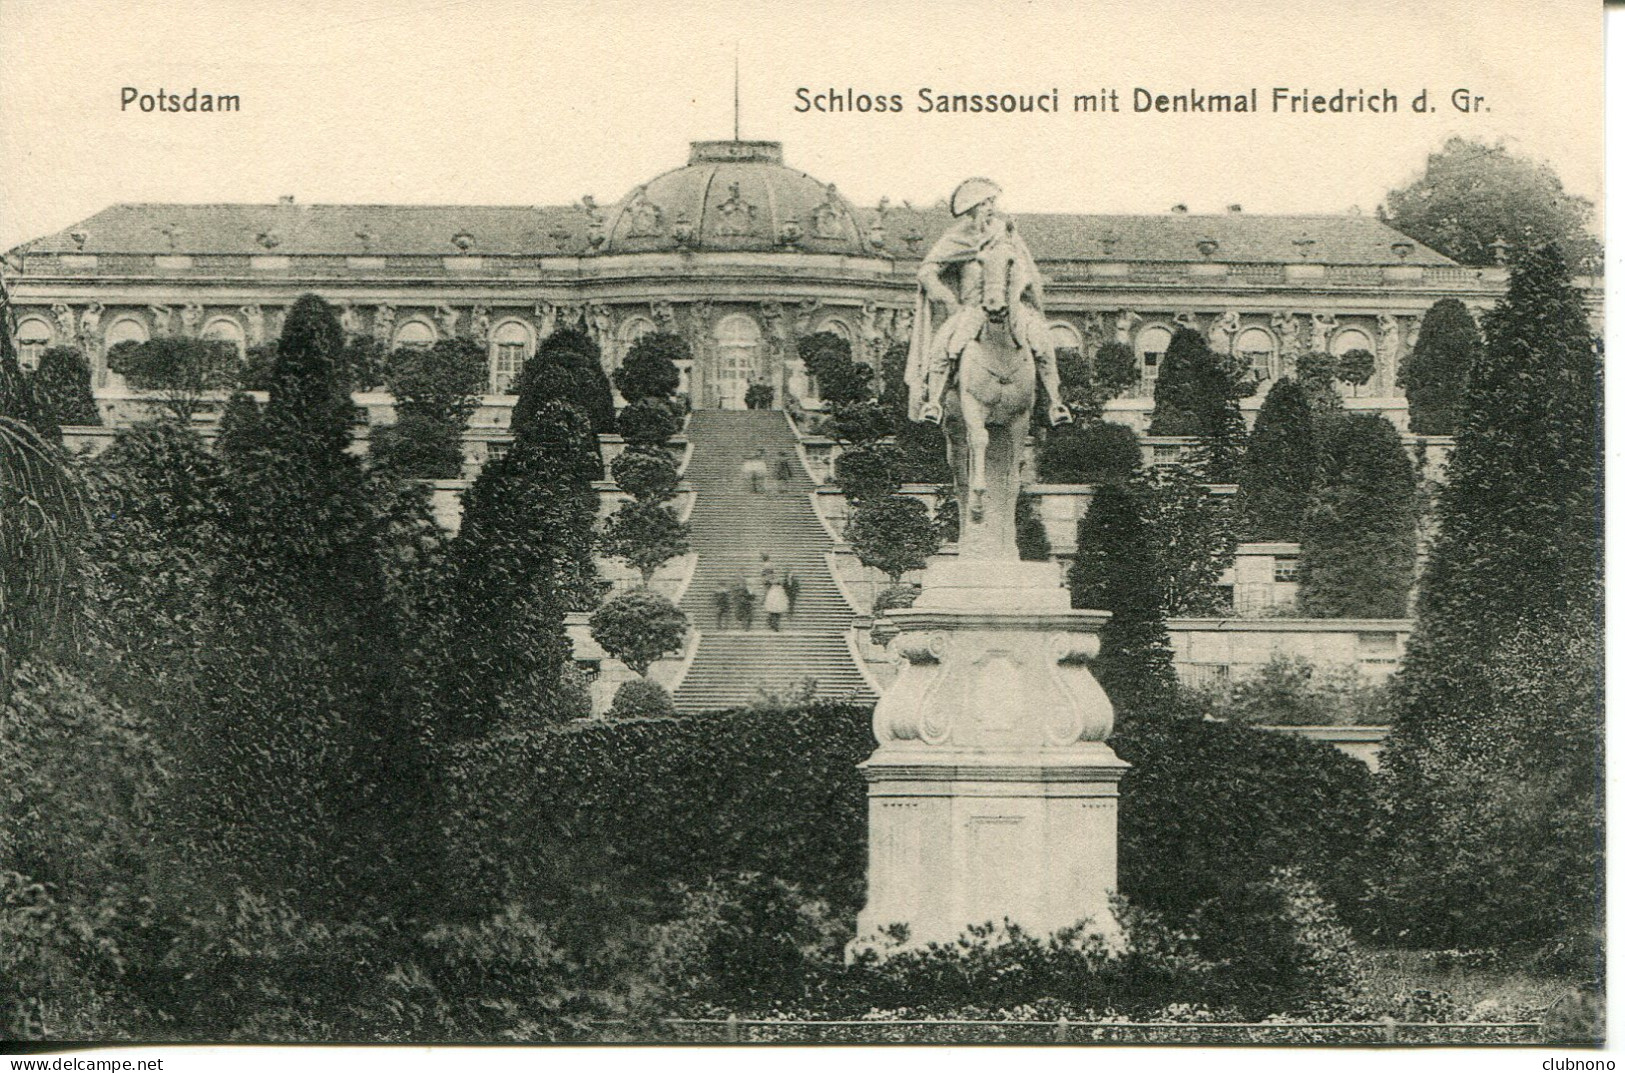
971,193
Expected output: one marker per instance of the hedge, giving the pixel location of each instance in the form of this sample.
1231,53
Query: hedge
642,804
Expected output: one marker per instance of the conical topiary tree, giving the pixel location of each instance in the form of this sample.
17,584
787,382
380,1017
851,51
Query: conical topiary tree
1277,474
1359,531
1199,393
1434,373
1492,778
1116,570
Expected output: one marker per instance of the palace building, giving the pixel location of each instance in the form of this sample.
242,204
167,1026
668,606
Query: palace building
739,252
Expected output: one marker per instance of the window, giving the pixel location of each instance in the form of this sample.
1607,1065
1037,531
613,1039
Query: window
1065,337
1151,344
739,343
33,337
415,333
125,330
836,326
1256,346
510,346
1164,454
1350,339
494,451
1286,568
1380,648
225,330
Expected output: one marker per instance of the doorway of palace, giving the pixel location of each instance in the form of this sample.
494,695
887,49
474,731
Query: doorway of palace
739,355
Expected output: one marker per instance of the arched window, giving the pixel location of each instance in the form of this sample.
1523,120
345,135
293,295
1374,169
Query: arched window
510,346
33,338
1064,336
226,330
1149,346
739,347
837,326
417,333
125,330
1256,346
1348,339
634,329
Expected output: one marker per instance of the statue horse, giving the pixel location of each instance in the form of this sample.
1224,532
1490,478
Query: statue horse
986,410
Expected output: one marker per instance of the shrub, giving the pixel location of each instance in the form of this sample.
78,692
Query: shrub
1434,373
567,368
648,423
1032,539
868,472
893,534
1280,468
759,396
922,453
640,698
896,596
635,806
1094,453
646,473
1360,528
441,383
418,445
645,535
1199,393
1208,808
62,386
180,368
859,422
1294,692
649,370
840,379
638,627
743,942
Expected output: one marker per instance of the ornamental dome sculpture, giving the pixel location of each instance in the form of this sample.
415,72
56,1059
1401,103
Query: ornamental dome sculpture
735,195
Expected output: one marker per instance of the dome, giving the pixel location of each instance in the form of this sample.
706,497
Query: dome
735,196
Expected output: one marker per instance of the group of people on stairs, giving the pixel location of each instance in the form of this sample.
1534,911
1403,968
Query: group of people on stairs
736,601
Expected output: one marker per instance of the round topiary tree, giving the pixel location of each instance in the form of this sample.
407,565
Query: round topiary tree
648,423
638,626
644,534
893,534
649,370
828,358
646,473
640,698
869,471
182,370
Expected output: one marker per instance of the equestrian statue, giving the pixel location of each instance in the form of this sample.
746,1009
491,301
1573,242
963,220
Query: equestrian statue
977,369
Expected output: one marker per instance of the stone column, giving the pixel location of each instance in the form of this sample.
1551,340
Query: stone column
993,794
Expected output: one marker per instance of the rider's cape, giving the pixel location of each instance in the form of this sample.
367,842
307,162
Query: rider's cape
959,245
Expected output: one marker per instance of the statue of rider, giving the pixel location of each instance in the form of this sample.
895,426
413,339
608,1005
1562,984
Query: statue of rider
951,275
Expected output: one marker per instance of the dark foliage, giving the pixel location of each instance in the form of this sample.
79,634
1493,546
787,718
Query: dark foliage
893,534
649,370
645,535
1473,195
1199,393
638,627
648,423
62,387
1359,531
640,698
1116,570
1278,472
417,445
1032,539
442,383
856,423
180,368
840,378
1499,688
1434,373
1092,453
922,453
567,368
647,473
759,396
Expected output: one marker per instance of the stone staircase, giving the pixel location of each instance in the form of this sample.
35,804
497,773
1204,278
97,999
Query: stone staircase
730,528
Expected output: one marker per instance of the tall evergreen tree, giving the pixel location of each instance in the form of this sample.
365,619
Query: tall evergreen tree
1116,570
567,368
1199,393
1500,679
62,387
1434,373
1277,474
649,370
302,769
1359,531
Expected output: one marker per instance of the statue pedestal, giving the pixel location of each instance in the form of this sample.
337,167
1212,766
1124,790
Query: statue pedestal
993,794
